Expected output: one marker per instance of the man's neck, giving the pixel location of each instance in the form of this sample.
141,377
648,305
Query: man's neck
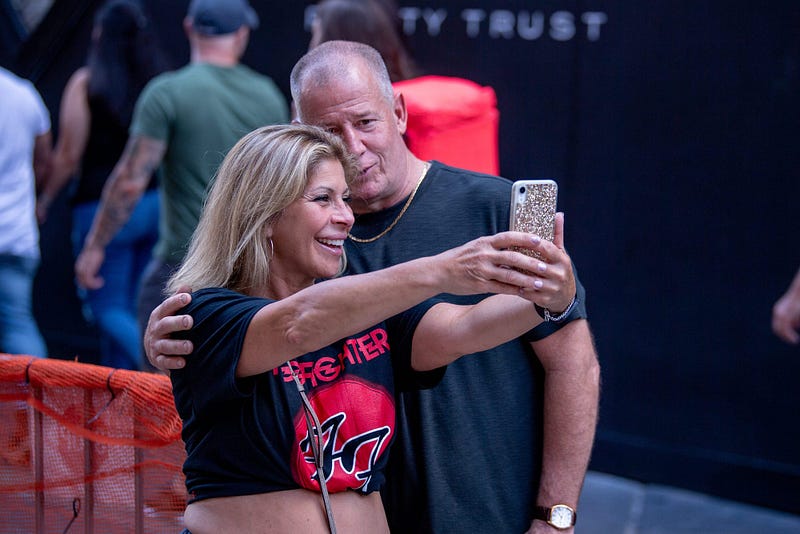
362,206
215,57
222,51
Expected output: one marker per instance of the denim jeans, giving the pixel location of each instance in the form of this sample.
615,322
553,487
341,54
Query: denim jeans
113,307
19,333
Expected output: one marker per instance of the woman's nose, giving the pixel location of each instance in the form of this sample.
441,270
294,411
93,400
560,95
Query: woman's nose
344,214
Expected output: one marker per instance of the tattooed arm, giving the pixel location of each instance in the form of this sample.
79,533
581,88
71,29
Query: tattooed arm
121,193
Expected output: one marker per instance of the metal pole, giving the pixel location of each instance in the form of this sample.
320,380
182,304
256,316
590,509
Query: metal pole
138,456
88,470
38,462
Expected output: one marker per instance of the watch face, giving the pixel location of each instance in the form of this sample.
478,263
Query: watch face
561,516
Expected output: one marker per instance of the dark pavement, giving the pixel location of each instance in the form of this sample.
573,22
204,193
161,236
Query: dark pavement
614,505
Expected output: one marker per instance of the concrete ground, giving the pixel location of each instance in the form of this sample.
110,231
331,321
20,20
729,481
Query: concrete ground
614,505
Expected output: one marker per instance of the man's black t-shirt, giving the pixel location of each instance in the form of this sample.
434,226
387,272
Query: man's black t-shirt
468,453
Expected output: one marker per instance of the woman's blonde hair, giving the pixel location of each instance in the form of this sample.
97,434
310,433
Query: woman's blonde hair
262,174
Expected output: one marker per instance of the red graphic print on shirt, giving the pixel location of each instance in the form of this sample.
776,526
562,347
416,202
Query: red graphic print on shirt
357,423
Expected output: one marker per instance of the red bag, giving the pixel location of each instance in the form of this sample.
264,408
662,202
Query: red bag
452,120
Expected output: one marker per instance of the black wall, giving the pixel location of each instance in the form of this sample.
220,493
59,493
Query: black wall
671,127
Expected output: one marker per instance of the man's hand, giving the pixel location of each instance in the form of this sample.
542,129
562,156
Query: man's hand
489,264
88,265
163,352
786,318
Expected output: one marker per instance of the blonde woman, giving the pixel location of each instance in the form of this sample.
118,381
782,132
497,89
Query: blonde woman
288,398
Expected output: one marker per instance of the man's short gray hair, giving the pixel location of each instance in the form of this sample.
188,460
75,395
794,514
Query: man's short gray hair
328,61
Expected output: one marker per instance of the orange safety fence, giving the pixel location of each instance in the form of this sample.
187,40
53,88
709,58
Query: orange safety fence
88,449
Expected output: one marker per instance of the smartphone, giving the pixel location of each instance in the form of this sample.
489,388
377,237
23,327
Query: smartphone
533,209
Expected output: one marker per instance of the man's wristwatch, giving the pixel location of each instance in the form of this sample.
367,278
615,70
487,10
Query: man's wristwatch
558,516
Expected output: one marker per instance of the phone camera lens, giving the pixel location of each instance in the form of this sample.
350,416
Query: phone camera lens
522,189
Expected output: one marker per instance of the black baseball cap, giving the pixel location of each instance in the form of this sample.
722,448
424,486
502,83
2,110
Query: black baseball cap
218,17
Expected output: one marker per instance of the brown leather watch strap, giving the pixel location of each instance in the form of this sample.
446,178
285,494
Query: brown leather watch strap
545,513
541,512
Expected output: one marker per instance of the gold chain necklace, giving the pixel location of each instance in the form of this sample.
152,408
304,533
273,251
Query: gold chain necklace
425,167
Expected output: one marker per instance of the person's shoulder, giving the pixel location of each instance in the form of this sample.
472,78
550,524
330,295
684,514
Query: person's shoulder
9,79
167,78
220,295
17,84
466,179
211,301
250,71
80,77
431,94
78,83
166,85
255,75
25,103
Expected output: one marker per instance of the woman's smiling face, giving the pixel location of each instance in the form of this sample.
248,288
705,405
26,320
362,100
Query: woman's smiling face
309,235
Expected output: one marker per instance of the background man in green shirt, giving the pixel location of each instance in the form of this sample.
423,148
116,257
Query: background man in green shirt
184,124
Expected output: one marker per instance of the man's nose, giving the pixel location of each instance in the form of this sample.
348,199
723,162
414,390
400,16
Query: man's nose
352,139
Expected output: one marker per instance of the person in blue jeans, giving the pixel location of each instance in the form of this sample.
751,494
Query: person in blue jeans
25,144
19,333
96,111
113,306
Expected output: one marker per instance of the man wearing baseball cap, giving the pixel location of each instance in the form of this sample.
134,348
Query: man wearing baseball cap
219,17
183,125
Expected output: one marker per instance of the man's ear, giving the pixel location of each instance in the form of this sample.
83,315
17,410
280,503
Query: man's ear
295,118
242,40
400,112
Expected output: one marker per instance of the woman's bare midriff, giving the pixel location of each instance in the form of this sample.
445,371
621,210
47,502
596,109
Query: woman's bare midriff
287,512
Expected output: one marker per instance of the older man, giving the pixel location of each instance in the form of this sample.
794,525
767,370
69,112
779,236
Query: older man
503,442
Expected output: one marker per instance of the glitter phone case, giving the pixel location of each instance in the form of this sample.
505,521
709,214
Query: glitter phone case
533,209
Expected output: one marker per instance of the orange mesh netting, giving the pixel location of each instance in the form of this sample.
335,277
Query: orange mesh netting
88,449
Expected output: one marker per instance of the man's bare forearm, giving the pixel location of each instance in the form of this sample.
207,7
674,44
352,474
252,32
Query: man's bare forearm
124,188
572,388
